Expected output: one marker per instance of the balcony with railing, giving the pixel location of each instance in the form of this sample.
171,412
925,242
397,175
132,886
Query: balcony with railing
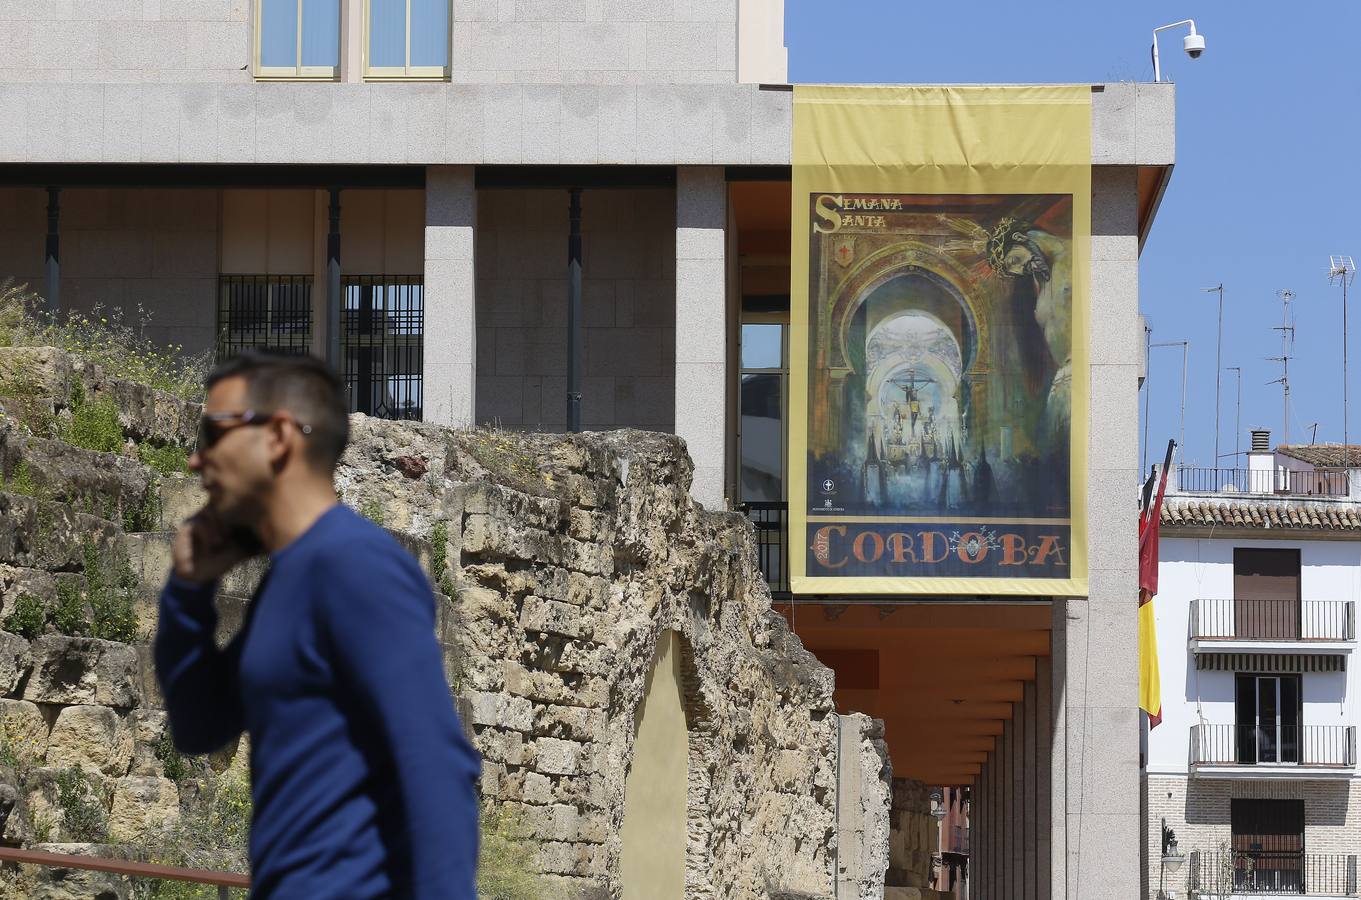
1271,482
772,542
1255,873
1281,751
1286,625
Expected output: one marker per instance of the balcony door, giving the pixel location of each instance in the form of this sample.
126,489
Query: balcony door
1267,719
1268,845
764,401
763,435
1266,594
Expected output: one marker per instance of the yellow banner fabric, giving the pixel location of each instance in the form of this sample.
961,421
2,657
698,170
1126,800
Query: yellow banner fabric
1150,686
939,310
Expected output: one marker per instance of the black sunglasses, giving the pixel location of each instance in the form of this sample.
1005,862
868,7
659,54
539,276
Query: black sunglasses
212,426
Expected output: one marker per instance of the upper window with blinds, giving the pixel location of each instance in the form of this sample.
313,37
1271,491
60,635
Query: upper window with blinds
297,38
406,38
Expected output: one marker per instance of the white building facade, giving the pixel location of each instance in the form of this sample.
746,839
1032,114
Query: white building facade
1254,766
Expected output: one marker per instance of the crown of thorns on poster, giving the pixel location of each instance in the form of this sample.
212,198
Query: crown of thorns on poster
961,356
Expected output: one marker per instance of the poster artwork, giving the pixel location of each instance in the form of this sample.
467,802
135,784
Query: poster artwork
940,376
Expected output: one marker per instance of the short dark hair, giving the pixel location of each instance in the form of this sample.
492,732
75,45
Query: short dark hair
301,385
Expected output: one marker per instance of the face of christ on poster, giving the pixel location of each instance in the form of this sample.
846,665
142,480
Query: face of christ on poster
940,373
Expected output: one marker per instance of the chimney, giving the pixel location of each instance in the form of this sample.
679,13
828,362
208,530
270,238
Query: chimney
1261,463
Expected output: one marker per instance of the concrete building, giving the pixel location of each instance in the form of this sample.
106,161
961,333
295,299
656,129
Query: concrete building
1254,765
397,187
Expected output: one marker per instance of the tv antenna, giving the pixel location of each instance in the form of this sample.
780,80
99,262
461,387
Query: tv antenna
1341,269
1185,354
1287,330
1237,416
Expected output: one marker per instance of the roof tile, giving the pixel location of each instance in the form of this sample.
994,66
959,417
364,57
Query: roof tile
1323,455
1265,512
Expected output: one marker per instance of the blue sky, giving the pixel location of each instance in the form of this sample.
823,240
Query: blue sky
1266,185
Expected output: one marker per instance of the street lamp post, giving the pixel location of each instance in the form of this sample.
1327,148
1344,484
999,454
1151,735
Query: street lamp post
1171,861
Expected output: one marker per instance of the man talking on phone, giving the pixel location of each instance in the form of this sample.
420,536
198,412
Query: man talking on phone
362,780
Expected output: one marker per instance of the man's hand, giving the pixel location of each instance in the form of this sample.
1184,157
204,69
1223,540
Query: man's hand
204,549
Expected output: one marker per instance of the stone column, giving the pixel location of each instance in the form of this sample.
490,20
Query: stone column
701,324
864,800
1100,630
450,346
1043,775
1011,809
1001,773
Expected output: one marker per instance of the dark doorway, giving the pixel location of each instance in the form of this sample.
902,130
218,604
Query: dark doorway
1267,719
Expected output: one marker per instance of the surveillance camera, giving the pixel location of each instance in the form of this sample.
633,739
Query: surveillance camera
1194,45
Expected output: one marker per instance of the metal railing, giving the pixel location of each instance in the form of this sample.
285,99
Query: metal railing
1308,483
224,881
772,542
1331,746
264,312
1272,872
382,334
1273,620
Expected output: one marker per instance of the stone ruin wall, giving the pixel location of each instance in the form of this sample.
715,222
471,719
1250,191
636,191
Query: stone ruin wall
567,558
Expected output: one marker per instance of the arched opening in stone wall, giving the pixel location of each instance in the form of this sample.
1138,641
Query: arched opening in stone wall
667,837
654,837
700,813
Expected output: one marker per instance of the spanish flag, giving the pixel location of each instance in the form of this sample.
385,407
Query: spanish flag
1150,697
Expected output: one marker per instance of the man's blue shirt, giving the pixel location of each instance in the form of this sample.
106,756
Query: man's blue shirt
362,780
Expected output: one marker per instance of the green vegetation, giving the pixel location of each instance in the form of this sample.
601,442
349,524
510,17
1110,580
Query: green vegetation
20,481
444,583
112,587
25,402
44,516
19,751
27,617
211,835
103,338
93,424
176,766
68,616
509,459
82,810
167,461
439,558
505,867
111,592
146,515
372,510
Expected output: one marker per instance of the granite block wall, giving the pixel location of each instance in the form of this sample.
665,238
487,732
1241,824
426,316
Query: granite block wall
628,308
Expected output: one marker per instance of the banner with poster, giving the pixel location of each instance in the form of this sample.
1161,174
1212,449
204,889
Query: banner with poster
939,321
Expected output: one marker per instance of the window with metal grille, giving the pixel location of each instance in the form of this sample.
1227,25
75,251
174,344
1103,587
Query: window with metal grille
382,329
264,312
1268,845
